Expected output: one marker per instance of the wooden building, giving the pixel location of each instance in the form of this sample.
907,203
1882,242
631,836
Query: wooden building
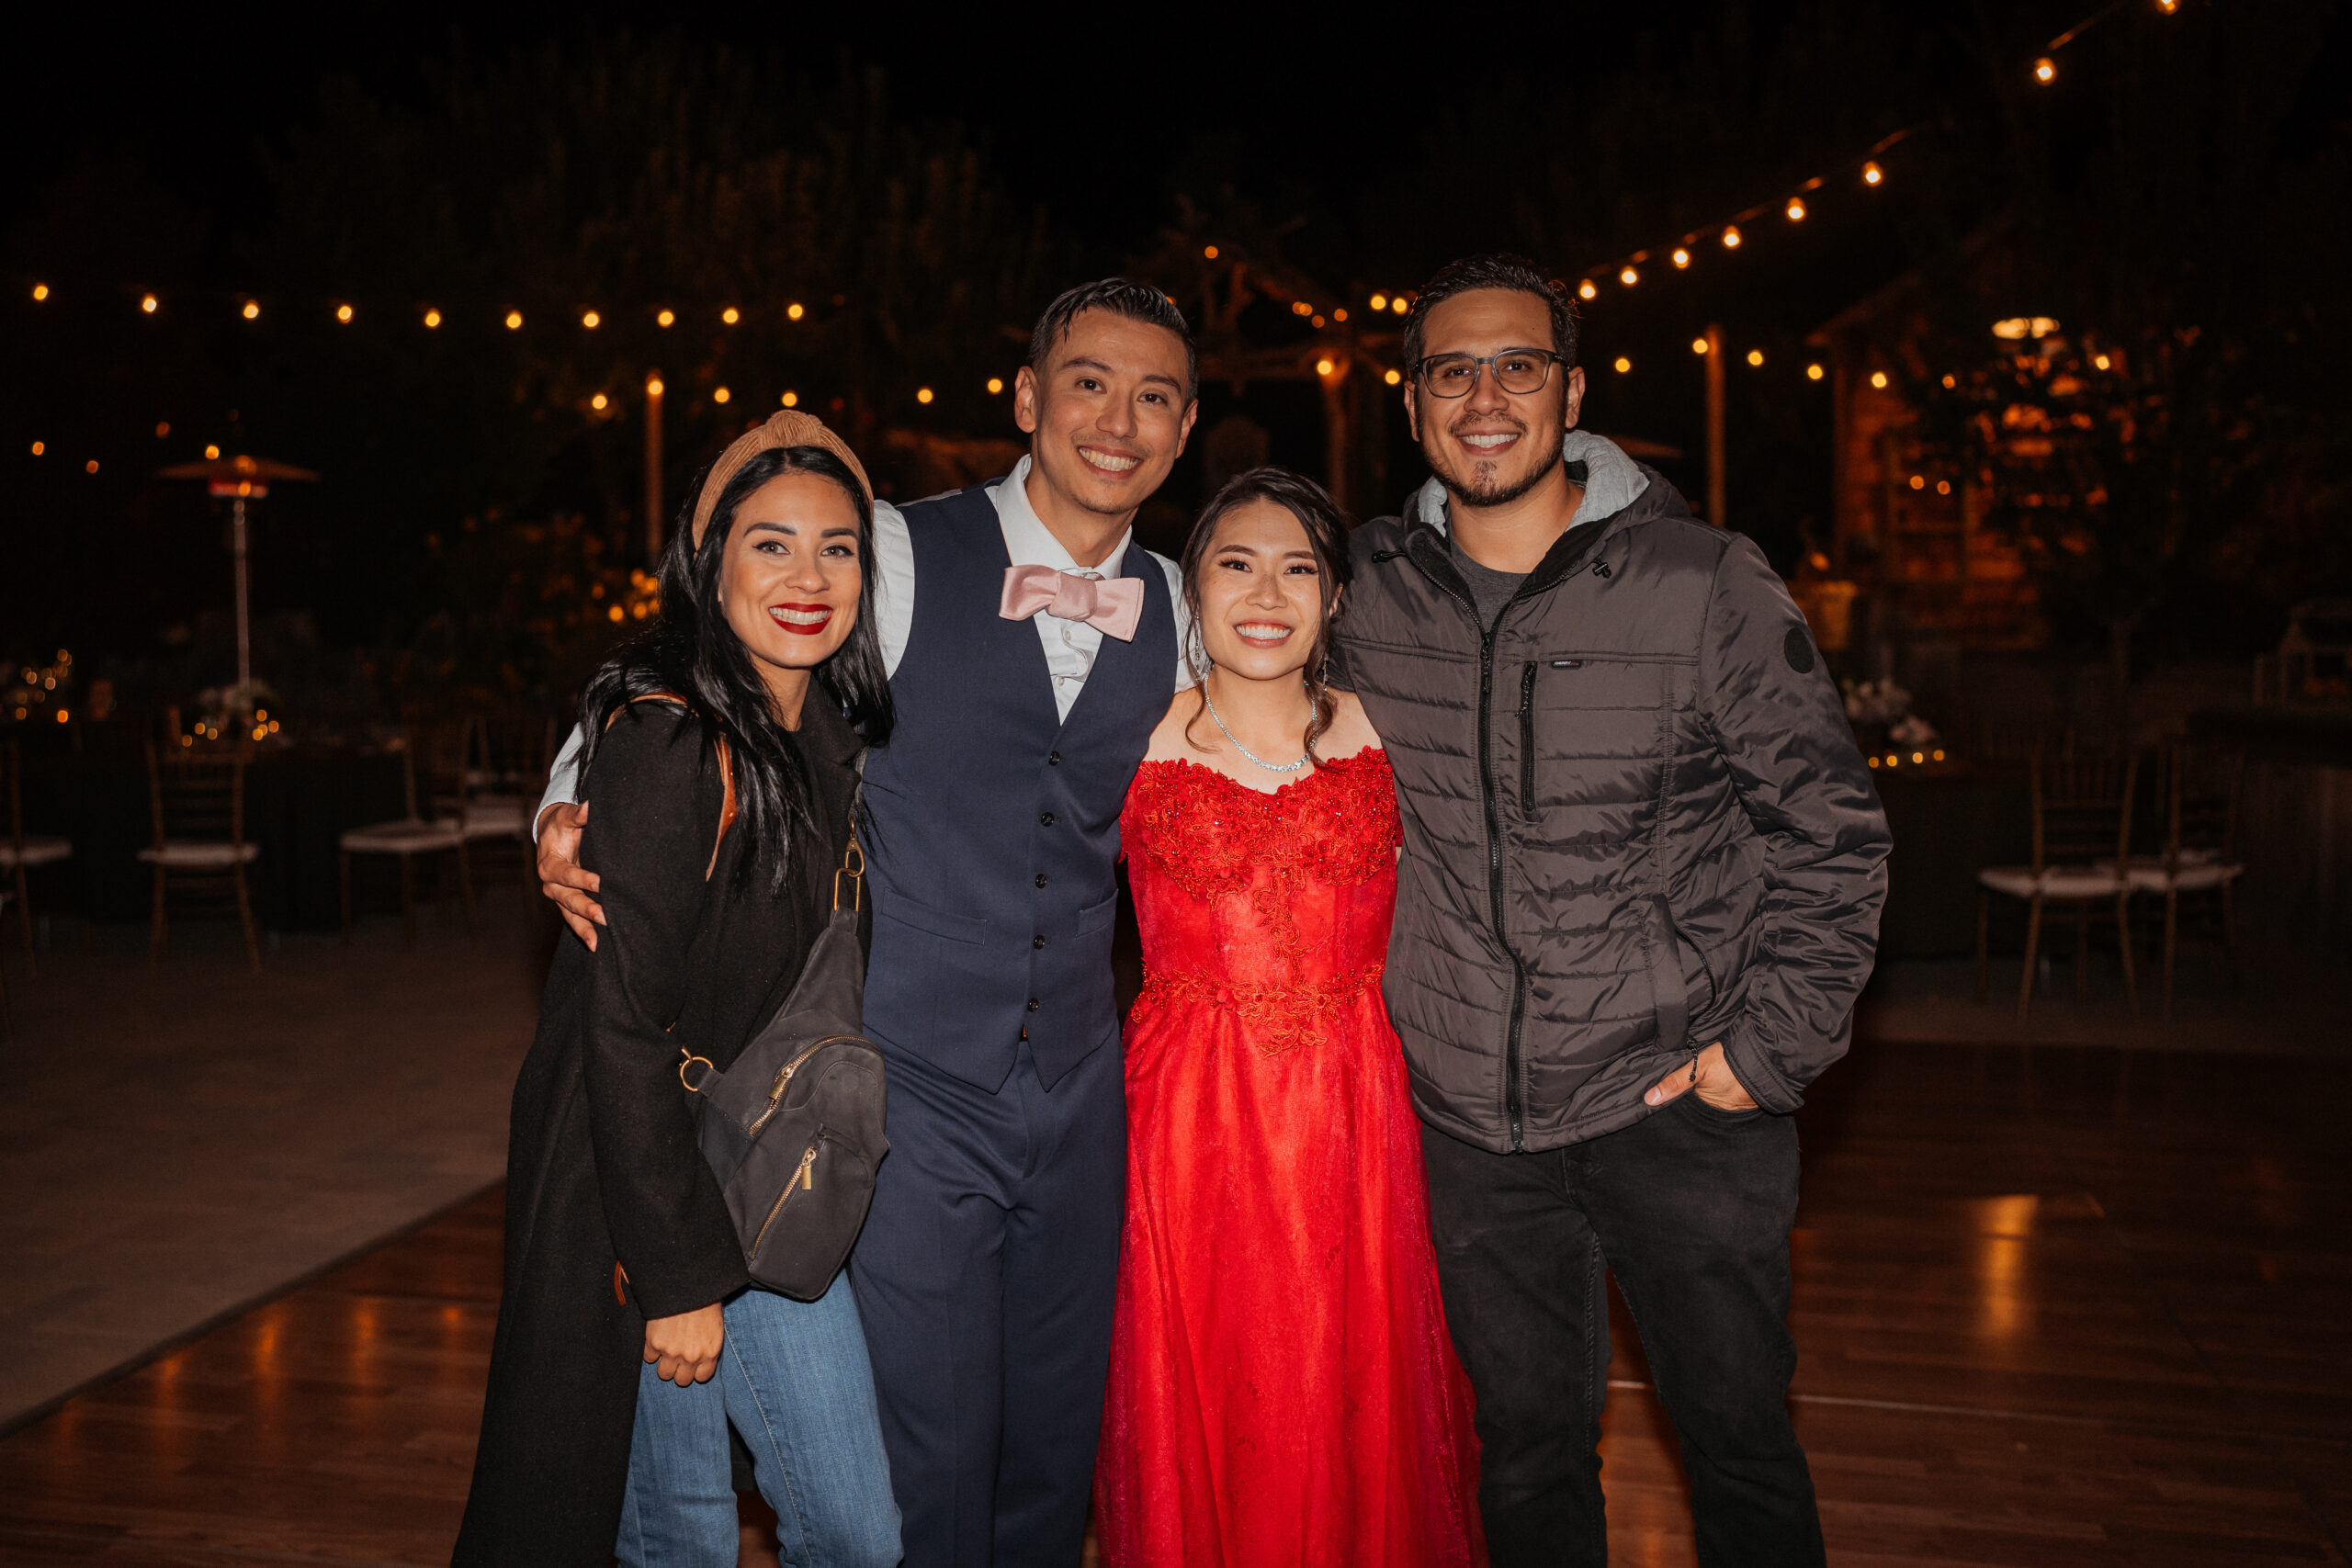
1909,530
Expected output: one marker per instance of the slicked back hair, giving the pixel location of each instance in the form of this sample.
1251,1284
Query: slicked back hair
1500,269
1121,297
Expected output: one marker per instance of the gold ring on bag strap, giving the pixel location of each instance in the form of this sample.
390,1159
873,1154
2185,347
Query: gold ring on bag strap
854,867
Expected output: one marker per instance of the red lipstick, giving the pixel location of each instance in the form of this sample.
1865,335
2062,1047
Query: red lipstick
806,620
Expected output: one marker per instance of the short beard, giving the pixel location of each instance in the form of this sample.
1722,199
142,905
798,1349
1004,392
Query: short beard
1503,495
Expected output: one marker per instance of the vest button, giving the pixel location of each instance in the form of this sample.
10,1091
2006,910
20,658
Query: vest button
1036,942
1047,820
1052,759
1034,1004
1041,879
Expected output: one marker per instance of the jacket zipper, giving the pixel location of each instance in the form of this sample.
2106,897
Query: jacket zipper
802,1180
1514,1107
1514,1101
1527,741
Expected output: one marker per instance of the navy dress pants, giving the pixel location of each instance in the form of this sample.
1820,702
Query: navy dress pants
986,1276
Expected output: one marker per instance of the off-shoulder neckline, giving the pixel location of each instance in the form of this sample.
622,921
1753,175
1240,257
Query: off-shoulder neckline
1333,765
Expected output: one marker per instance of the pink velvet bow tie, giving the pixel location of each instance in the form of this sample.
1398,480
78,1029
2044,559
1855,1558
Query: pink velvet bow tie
1112,605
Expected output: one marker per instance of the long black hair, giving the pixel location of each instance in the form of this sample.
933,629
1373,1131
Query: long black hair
1326,535
690,650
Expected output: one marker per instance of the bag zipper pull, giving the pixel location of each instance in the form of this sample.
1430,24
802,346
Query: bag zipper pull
807,1174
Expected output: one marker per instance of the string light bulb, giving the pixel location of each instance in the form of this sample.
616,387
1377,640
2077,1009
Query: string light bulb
2103,362
995,385
38,448
147,302
41,291
1624,365
1209,252
1878,380
212,454
1731,236
1698,346
1629,277
1756,356
344,313
1872,175
731,315
2167,6
1393,378
514,320
1380,301
252,311
163,429
1341,314
923,394
665,317
1795,209
793,312
1586,289
790,399
591,320
721,394
1814,372
597,402
2046,70
432,318
653,386
1399,304
1681,257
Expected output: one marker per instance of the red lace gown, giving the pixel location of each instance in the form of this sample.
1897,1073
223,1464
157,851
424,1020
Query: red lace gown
1282,1391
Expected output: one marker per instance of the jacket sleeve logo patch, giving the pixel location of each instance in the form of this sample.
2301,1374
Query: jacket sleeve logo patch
1798,650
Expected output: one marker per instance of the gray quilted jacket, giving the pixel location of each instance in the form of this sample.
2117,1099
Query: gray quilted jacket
1635,819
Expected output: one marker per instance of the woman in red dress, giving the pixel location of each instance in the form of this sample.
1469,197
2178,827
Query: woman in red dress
1282,1390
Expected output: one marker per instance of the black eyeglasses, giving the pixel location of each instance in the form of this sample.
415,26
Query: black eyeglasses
1517,371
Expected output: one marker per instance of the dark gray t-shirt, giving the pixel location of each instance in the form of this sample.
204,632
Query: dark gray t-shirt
1489,589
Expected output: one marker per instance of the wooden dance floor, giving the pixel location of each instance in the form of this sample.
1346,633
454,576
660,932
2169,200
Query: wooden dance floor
2061,1306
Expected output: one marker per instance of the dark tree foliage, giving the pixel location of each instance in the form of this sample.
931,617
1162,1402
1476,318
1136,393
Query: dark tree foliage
2175,209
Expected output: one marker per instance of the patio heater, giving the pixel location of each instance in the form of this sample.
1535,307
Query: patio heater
241,480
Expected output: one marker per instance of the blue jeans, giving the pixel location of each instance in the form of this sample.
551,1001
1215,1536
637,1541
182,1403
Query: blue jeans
793,1378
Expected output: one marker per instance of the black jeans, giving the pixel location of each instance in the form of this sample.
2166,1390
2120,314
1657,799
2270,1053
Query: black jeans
1690,1208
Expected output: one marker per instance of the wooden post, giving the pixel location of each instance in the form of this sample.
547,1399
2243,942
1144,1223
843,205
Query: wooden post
653,529
244,698
1336,445
1716,426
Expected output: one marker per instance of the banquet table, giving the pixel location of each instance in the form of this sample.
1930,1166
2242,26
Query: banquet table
298,802
1947,824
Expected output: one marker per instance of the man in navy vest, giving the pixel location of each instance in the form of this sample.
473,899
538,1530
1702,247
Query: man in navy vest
1033,647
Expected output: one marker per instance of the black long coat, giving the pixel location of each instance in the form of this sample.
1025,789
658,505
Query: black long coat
603,1166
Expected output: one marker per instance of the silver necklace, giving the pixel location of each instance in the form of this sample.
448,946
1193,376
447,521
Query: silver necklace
1270,767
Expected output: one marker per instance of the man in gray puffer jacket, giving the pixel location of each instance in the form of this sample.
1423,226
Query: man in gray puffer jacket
1642,870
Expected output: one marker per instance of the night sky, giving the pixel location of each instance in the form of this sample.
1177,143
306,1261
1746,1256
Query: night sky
1383,141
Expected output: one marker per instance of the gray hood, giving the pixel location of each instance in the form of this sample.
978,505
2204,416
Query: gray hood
1611,481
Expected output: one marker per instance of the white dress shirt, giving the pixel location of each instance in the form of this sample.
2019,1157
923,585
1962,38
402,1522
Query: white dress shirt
1070,646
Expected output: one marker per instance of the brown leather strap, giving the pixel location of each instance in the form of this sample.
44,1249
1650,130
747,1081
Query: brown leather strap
726,774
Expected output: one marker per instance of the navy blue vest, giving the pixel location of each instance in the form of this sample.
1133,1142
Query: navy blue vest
995,825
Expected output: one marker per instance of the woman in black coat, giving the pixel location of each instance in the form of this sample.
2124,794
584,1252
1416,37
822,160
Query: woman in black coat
722,777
